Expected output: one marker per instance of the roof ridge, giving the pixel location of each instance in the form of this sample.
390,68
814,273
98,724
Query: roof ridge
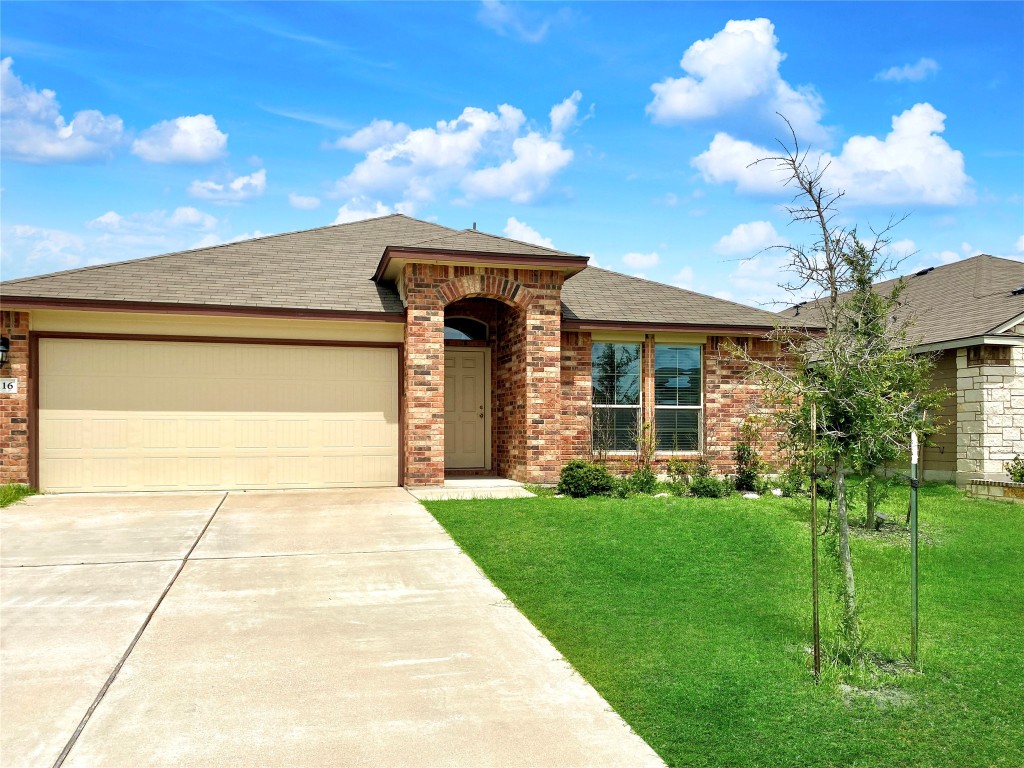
91,267
773,315
495,237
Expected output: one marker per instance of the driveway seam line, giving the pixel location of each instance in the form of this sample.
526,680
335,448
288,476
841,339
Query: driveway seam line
96,562
322,554
131,646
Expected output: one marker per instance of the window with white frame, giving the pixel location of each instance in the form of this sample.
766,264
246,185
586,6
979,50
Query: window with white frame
615,375
678,397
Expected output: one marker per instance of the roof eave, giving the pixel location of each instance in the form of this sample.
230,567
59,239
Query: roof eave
971,341
97,305
394,257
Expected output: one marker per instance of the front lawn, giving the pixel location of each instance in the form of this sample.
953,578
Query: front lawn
692,618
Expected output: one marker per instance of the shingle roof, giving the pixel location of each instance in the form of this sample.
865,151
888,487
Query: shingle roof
472,241
330,269
321,269
601,295
961,300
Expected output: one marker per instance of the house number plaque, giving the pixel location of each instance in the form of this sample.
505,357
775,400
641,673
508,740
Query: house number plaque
9,386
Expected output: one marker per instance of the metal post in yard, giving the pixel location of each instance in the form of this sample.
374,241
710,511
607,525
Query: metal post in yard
914,483
814,544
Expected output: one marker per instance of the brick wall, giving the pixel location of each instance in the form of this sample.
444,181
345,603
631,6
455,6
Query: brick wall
730,395
14,407
525,367
576,394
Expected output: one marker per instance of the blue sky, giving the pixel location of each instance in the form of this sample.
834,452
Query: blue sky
622,131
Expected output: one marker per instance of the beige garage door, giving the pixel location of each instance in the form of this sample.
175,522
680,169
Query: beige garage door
146,416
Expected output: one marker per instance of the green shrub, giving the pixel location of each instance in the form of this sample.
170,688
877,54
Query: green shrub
793,481
643,480
1016,469
748,467
585,478
705,485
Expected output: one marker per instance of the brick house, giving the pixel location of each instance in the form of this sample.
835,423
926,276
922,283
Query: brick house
970,316
390,351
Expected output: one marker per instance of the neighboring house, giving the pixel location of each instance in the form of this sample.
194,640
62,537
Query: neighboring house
970,315
390,351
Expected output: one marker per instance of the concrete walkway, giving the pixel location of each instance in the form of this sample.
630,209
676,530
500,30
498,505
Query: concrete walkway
274,628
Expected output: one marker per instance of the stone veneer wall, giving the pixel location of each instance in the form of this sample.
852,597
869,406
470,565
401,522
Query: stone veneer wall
532,451
989,416
14,407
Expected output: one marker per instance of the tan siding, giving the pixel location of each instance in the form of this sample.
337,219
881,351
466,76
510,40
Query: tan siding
148,415
941,456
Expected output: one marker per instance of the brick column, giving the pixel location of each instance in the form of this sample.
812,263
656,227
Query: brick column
543,348
424,377
14,407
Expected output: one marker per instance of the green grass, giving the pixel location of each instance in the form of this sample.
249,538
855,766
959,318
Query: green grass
692,618
13,492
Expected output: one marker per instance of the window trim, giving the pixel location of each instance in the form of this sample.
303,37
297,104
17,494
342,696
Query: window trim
699,407
638,408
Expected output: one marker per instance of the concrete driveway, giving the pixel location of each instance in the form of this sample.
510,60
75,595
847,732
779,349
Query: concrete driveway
304,628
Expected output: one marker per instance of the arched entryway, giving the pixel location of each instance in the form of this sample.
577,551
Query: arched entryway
483,386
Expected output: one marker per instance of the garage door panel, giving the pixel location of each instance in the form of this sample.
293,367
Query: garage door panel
183,415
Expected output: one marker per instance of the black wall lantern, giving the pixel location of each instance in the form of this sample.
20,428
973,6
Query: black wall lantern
5,348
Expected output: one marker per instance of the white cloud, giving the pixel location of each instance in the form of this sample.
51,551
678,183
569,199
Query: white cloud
32,250
635,260
523,177
737,70
563,115
303,202
109,237
901,249
1020,244
755,281
32,129
684,278
376,134
519,230
238,189
184,217
912,72
190,139
486,154
360,208
749,239
519,21
731,160
913,164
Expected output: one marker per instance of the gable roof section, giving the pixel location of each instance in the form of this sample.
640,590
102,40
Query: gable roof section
963,300
329,271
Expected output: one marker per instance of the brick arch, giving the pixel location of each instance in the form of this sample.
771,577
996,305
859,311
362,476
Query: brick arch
502,289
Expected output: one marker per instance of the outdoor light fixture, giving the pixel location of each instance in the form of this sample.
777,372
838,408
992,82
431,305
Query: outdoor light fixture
5,347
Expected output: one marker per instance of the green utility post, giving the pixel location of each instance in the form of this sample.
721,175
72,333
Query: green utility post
814,543
914,483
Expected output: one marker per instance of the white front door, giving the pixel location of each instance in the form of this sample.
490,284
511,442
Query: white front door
466,416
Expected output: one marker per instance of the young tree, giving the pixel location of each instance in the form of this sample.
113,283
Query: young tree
850,356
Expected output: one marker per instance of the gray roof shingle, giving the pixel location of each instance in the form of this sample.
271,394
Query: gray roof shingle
961,300
330,269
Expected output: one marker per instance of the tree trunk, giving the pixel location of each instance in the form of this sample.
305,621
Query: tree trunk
851,626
